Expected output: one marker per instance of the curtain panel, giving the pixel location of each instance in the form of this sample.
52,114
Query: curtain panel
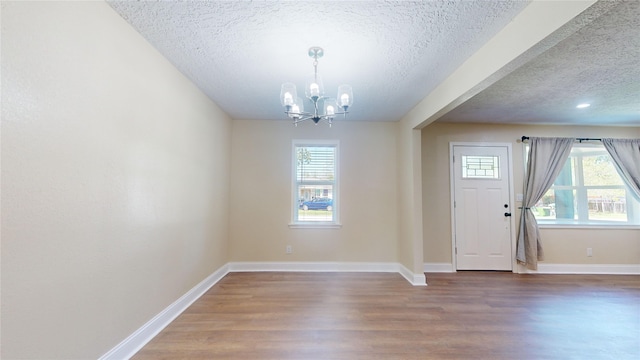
626,158
547,156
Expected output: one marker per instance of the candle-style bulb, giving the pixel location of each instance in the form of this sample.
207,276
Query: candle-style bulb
314,89
288,99
330,110
344,100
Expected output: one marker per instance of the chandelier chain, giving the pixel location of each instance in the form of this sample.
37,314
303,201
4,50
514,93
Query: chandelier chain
315,68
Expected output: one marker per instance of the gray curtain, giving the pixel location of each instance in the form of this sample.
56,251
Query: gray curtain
547,156
626,158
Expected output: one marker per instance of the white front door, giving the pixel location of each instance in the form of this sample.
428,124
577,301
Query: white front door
482,209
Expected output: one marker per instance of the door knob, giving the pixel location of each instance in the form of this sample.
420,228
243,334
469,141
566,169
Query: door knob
507,214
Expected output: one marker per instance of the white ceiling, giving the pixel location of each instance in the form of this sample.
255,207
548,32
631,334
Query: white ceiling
393,53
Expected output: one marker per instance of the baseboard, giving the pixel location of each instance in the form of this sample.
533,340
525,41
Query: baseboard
414,279
603,269
612,269
438,268
312,266
132,344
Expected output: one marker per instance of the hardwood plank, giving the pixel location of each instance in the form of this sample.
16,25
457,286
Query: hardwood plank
464,315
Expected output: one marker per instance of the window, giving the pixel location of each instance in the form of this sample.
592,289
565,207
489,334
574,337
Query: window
315,186
480,167
588,191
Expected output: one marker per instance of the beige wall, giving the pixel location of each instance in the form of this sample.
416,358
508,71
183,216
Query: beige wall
562,246
116,197
114,181
409,215
405,192
261,193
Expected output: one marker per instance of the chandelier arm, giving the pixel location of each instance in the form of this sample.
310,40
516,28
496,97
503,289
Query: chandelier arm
322,117
302,118
306,116
298,113
296,121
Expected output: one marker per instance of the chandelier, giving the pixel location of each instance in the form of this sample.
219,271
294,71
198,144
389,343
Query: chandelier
323,107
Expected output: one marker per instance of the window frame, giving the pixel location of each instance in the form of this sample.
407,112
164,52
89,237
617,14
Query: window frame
294,204
581,190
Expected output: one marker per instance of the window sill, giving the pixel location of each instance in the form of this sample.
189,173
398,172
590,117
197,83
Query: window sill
589,226
310,225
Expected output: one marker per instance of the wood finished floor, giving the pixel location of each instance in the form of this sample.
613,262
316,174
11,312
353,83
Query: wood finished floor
464,315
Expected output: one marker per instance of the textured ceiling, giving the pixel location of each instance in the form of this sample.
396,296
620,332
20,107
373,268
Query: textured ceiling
598,64
394,53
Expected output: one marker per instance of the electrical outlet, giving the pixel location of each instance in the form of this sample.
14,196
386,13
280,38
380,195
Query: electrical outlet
589,252
289,249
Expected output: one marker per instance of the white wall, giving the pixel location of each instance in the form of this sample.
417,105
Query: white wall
114,181
561,246
261,193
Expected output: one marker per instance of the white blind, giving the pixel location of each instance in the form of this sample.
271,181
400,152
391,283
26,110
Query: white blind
315,165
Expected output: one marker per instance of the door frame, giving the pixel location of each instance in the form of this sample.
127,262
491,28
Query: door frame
454,259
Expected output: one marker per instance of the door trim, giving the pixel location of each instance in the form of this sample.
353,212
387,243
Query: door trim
454,260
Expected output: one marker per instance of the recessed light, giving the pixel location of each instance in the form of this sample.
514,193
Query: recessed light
583,105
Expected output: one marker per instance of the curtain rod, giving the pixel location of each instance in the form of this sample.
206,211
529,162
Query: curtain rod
577,139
